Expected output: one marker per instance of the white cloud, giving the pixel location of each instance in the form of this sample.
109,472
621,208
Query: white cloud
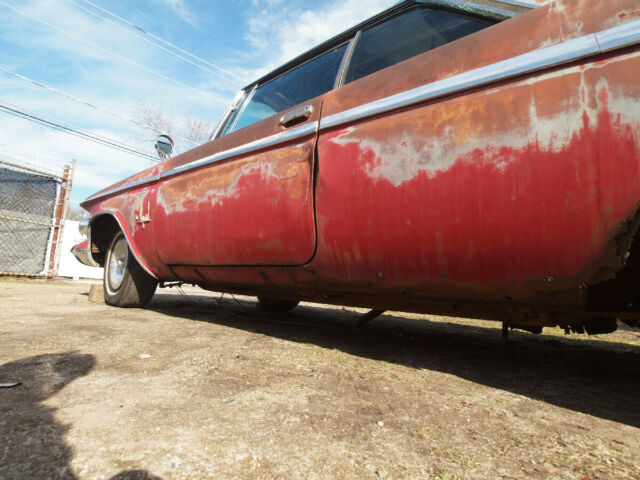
280,32
181,9
97,166
277,30
50,57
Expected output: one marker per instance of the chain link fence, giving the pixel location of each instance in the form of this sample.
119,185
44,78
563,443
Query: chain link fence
33,204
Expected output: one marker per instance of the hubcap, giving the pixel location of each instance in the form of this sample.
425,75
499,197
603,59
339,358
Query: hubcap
118,263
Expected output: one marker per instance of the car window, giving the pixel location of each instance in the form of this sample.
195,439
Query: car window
303,83
406,35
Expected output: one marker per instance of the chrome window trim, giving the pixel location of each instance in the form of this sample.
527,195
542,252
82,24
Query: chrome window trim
604,41
233,106
346,60
260,85
470,7
241,108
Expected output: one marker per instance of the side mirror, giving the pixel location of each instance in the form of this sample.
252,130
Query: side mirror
164,146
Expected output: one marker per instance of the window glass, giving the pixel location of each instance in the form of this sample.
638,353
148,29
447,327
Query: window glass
307,81
406,35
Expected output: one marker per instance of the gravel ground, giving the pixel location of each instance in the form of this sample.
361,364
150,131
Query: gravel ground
193,387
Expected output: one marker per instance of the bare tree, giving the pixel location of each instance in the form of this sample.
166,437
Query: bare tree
187,131
195,129
75,213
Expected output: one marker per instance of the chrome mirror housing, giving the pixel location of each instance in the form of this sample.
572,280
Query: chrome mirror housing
164,146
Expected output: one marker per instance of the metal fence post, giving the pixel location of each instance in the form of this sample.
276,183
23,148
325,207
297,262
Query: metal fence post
60,215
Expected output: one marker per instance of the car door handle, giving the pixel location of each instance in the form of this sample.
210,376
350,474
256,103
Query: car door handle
296,116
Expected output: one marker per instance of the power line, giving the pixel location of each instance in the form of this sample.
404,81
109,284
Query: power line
97,47
19,161
26,114
228,76
66,128
77,133
39,157
89,104
169,44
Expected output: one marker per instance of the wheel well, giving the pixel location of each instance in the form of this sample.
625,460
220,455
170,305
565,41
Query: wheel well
103,229
621,292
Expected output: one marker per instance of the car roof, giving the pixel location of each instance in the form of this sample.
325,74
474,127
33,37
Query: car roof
492,9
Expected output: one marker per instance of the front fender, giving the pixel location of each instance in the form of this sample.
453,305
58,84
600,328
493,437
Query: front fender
98,227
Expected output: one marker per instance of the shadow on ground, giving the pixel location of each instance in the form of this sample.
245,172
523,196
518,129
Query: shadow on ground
32,442
596,377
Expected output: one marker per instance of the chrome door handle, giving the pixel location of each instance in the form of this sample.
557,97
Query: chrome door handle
296,116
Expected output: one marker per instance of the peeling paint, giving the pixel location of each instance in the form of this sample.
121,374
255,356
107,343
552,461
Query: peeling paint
502,188
400,158
520,195
252,210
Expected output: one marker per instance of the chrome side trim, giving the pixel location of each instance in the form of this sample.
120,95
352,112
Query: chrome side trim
281,137
128,186
620,36
603,41
528,62
517,3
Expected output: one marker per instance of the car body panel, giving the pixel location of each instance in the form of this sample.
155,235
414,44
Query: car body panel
508,191
514,189
250,209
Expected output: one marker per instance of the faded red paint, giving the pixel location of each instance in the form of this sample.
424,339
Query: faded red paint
516,192
499,220
545,214
254,211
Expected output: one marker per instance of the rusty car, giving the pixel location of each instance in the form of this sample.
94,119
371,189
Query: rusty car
462,158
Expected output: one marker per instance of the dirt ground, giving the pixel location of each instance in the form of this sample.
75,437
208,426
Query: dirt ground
194,388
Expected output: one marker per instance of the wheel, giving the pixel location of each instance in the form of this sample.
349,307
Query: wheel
126,284
274,305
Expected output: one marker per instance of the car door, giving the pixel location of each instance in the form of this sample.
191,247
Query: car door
381,217
247,197
482,167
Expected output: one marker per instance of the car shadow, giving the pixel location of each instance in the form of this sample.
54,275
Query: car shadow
596,377
32,441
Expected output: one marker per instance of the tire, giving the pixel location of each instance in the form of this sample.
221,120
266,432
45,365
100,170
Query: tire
274,305
125,282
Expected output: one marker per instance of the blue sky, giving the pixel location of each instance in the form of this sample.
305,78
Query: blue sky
244,38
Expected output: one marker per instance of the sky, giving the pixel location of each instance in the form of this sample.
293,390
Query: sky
80,50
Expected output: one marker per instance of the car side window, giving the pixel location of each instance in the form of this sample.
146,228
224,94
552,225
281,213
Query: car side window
406,35
305,82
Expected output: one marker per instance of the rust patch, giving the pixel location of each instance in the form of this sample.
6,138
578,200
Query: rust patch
273,244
